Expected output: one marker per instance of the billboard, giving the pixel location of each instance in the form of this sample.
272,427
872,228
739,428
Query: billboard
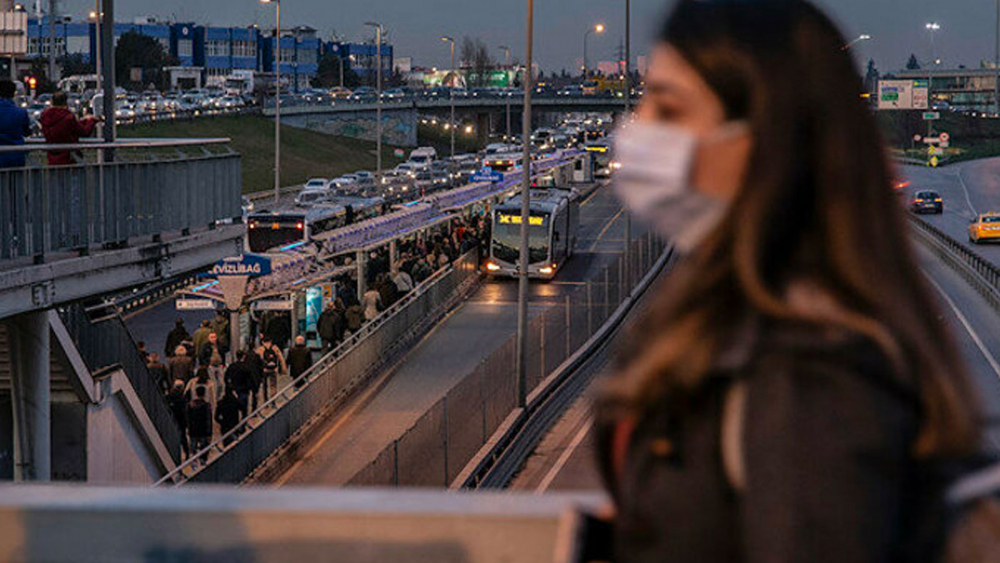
903,94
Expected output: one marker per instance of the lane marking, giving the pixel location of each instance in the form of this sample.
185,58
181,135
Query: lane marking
605,229
593,193
975,338
966,190
564,458
968,327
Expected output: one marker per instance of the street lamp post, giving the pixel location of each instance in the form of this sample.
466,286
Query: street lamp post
451,41
277,98
378,104
599,28
996,65
628,109
506,51
522,290
931,29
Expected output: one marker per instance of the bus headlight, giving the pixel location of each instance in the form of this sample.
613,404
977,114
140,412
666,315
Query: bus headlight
490,266
547,270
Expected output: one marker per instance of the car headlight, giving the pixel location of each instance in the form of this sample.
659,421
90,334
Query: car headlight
492,267
547,270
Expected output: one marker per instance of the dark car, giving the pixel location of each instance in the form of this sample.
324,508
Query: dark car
927,201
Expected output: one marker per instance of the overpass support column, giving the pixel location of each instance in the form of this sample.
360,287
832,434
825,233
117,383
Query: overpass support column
362,282
484,127
393,259
31,405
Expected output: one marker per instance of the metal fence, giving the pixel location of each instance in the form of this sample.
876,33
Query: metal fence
981,274
105,343
70,208
264,431
433,451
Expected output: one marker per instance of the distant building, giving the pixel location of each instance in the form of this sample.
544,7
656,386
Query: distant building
362,57
962,89
214,51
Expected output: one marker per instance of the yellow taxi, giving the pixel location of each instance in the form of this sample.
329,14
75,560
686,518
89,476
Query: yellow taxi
985,227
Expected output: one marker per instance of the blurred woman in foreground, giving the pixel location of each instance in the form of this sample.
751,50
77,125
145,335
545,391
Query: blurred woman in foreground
779,400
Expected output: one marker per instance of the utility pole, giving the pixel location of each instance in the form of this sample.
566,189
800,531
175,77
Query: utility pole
52,41
996,65
522,293
106,15
506,51
628,115
378,103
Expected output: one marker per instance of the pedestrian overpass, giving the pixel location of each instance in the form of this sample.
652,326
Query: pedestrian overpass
76,401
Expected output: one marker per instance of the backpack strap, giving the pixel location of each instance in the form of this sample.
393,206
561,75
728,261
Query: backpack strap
731,436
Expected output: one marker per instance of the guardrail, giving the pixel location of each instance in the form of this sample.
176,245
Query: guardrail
70,208
296,409
105,343
981,274
434,451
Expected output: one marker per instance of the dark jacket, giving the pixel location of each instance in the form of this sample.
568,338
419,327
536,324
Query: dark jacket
205,358
199,418
326,326
239,377
60,126
299,360
227,413
827,434
180,367
174,339
178,406
15,125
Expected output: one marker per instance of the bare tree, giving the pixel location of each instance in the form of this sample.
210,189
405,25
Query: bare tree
477,59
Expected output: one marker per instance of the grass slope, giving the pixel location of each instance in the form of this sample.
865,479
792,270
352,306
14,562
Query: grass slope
304,154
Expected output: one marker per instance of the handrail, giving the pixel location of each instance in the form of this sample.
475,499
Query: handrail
34,144
983,275
269,407
106,343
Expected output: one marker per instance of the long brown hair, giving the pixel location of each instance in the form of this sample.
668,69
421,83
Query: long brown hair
816,204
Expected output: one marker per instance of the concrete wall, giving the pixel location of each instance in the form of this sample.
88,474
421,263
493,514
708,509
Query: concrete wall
116,452
399,126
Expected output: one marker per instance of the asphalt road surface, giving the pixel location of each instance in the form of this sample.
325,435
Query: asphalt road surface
449,353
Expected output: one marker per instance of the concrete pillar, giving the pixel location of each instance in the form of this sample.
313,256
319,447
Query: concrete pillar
235,344
31,406
393,260
362,282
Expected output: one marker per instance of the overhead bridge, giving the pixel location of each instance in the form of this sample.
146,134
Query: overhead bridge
76,402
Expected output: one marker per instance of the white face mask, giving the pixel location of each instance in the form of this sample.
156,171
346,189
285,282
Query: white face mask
654,180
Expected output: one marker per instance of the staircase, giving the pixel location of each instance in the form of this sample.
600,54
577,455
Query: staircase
60,372
106,345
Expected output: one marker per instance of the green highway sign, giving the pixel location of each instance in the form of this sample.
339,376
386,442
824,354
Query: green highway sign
932,115
890,97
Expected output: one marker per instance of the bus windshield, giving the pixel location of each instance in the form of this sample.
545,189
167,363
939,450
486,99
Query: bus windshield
507,237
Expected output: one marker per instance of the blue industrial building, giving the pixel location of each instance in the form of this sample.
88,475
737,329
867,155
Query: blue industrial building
217,51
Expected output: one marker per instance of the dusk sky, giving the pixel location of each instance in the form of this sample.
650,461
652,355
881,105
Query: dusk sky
414,26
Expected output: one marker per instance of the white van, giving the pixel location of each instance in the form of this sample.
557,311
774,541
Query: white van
423,157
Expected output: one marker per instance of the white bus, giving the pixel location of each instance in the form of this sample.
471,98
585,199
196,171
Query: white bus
552,233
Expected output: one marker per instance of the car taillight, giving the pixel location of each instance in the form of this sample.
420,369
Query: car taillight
299,226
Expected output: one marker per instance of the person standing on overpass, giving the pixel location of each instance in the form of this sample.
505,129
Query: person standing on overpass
14,126
791,388
61,127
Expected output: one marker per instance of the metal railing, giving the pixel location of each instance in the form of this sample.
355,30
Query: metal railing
436,448
981,274
235,455
105,343
71,208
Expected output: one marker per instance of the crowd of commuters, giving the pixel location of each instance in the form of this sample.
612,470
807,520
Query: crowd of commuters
210,387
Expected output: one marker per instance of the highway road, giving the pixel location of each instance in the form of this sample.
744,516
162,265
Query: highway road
448,353
564,459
